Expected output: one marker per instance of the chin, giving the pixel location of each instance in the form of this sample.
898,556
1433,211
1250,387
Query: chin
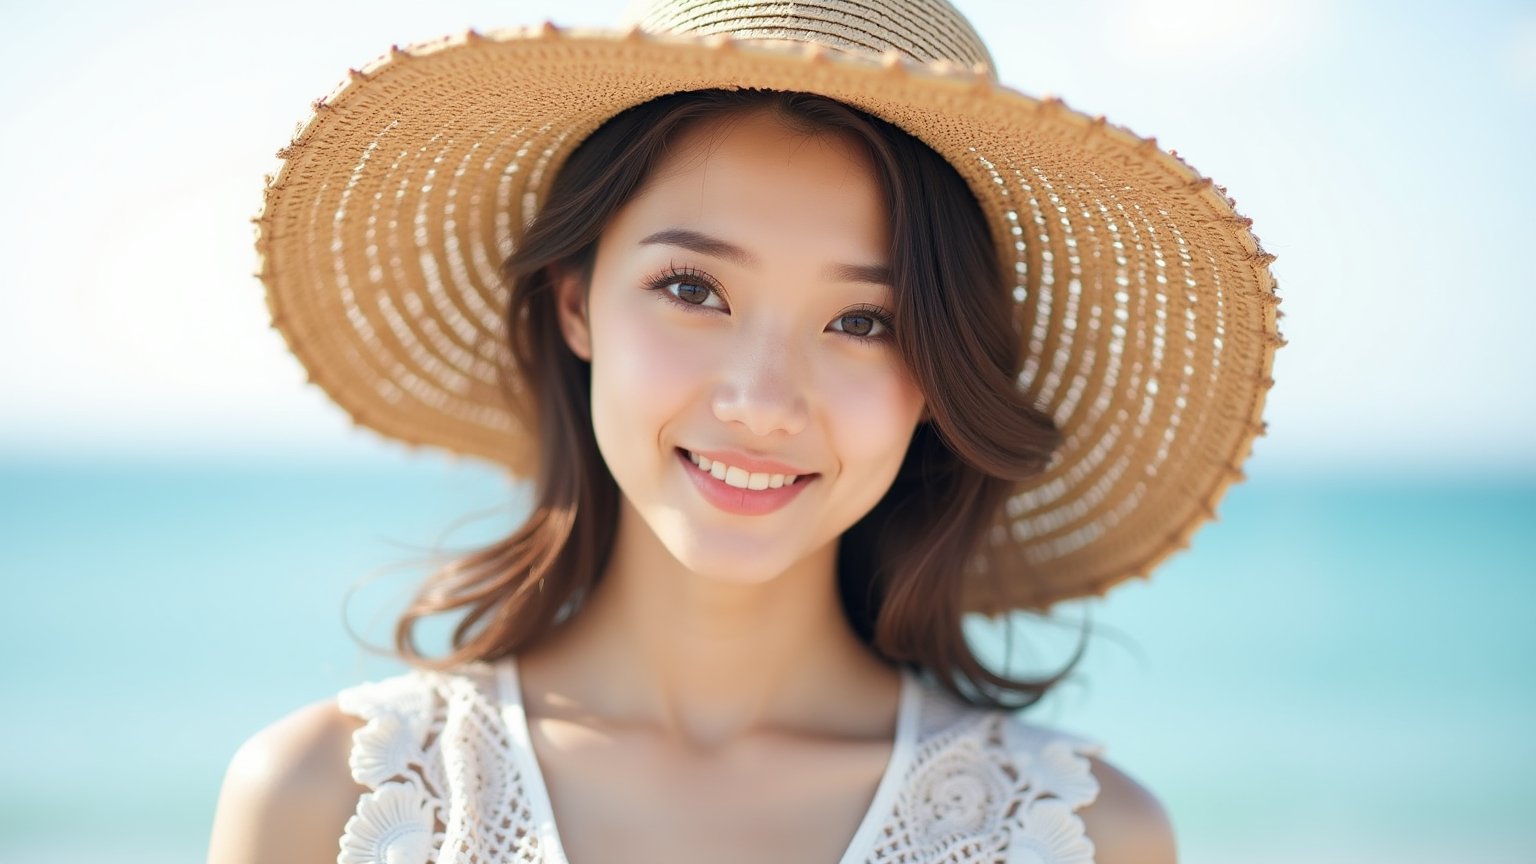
722,551
726,562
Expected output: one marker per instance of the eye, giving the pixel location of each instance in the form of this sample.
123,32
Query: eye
858,325
691,293
688,288
867,323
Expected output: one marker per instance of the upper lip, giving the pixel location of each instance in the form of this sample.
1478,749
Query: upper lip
749,464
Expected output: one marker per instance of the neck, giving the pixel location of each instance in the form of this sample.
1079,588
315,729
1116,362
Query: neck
706,660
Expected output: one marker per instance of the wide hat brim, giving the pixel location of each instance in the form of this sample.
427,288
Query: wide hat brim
1145,304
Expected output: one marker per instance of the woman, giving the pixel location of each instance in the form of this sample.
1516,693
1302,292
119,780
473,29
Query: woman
786,375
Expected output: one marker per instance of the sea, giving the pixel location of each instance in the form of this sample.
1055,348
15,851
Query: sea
1341,669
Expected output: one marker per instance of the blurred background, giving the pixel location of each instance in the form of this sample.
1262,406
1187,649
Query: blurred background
1342,669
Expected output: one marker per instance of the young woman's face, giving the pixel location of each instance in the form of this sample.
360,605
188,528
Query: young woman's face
737,311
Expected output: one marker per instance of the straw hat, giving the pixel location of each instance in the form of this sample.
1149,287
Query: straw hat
1145,304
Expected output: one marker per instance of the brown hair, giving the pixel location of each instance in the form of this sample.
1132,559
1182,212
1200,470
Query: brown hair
901,567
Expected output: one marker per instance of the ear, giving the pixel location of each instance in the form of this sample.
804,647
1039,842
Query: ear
571,306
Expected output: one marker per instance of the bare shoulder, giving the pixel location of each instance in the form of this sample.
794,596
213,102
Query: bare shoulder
1126,823
288,792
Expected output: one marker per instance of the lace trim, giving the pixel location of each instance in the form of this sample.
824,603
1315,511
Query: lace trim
989,788
980,788
395,755
435,757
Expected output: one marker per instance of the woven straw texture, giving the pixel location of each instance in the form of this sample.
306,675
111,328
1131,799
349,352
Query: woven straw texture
1145,303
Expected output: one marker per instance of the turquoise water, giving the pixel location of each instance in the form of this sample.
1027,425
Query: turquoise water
1340,670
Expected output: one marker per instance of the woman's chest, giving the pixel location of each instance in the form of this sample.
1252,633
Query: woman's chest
621,796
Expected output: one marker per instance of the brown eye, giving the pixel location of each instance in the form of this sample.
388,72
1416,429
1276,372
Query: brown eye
858,325
689,292
864,326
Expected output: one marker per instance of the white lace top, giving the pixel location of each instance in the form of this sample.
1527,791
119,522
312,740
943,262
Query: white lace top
454,780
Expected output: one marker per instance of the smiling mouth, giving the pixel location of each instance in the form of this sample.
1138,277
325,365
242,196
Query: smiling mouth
740,478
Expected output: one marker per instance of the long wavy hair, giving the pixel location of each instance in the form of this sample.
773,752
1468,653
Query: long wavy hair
900,569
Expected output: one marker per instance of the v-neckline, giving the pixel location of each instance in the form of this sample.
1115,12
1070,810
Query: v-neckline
552,851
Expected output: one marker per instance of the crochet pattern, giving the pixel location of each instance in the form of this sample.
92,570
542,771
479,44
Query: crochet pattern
442,756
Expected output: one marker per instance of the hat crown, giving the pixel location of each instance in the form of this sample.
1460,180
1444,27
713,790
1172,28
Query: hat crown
924,31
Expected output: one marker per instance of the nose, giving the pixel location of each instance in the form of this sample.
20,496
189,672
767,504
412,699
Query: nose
763,388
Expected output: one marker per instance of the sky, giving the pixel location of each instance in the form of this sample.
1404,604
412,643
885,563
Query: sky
1382,150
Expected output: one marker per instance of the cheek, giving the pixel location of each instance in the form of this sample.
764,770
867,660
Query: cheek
642,375
876,406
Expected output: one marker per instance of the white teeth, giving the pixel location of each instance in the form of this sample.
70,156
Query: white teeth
739,478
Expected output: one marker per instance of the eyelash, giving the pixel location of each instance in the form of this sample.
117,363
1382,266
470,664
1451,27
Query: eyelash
674,275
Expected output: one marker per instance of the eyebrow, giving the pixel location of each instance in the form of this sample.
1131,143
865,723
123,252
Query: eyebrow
704,244
877,274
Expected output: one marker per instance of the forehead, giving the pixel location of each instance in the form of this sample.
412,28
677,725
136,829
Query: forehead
756,178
